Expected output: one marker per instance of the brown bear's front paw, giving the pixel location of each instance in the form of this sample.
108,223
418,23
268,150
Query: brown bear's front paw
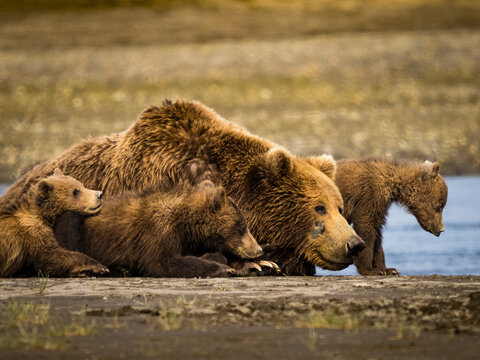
256,268
89,270
269,267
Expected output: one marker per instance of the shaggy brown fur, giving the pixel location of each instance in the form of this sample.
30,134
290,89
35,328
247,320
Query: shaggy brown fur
163,234
27,239
68,226
288,202
369,187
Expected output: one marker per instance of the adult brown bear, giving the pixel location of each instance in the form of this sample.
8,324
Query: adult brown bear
290,203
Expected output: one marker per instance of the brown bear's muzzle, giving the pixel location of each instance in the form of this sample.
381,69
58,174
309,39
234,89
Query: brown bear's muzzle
354,246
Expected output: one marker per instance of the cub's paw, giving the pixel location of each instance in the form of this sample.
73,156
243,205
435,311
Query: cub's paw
391,271
224,271
89,270
380,272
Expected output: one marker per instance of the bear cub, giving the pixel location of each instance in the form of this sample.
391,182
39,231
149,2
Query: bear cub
368,189
27,240
165,234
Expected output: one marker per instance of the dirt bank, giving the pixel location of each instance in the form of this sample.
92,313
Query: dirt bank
282,318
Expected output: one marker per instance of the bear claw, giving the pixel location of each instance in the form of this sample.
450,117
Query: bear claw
270,264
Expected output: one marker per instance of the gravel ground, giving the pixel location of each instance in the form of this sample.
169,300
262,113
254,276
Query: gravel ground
285,317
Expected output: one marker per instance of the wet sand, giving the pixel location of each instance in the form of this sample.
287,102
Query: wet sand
262,318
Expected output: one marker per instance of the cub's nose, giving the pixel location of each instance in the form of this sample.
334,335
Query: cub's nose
354,246
99,195
258,252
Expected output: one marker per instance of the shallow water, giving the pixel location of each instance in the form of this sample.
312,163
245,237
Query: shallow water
413,251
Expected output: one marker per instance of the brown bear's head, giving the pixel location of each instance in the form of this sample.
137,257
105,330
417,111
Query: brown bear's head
426,198
58,193
224,222
302,209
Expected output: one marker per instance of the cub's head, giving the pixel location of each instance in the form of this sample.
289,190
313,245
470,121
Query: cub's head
225,223
58,193
427,196
301,209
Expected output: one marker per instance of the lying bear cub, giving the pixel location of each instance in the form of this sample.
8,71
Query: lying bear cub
27,242
164,234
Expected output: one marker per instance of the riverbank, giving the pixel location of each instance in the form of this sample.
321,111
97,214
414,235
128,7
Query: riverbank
352,79
263,318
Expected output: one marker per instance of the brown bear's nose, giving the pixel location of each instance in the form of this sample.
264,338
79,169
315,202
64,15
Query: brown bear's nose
354,246
99,195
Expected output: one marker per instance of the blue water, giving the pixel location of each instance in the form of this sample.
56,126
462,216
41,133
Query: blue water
413,251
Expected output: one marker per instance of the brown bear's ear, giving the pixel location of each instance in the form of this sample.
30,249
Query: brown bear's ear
324,163
430,170
58,172
278,162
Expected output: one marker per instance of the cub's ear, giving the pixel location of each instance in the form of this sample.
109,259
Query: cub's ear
195,169
324,163
216,196
58,172
44,192
205,185
430,170
45,188
220,198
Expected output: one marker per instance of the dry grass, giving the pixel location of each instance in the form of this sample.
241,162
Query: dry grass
264,64
330,320
25,325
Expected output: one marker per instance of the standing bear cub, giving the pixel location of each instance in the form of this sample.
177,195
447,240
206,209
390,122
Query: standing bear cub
370,186
163,234
27,240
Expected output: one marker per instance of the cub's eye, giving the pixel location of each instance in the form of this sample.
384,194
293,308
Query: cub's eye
321,209
340,210
75,192
439,208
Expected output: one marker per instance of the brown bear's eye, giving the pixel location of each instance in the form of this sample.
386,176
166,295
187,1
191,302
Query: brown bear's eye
75,192
321,209
340,210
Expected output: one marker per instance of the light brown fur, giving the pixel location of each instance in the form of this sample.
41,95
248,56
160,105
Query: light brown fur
369,187
27,239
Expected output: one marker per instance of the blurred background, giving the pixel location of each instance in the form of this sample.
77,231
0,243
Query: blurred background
352,78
